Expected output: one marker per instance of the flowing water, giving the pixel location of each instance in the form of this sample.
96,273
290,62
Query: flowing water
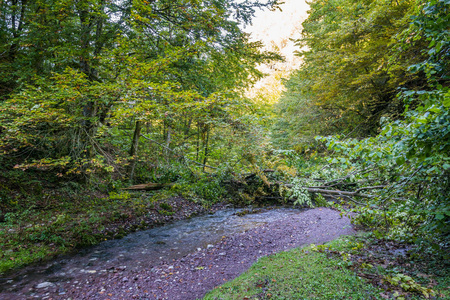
147,248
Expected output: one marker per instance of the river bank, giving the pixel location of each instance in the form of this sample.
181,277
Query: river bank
35,235
194,274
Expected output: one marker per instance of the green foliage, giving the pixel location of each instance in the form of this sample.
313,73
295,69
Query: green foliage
430,26
348,78
376,69
300,195
411,157
408,284
78,77
203,187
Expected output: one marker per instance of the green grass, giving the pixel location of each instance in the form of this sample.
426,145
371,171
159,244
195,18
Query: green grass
297,274
330,272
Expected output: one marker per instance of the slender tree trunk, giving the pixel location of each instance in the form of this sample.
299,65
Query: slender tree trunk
168,140
164,131
206,149
187,127
90,107
134,149
198,141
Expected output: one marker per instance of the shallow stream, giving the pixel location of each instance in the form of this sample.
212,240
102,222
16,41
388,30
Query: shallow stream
145,249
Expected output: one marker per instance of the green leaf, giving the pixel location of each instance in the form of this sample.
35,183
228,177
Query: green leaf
400,160
440,216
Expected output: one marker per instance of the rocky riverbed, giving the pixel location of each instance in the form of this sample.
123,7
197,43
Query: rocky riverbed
182,260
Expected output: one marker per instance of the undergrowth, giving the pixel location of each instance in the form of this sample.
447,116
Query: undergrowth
34,234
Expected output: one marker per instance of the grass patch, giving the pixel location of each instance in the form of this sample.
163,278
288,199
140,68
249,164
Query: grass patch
355,267
297,274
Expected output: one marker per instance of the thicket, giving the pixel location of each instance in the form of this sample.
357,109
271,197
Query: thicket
372,99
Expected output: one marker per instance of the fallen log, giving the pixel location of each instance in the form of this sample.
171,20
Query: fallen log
337,192
151,186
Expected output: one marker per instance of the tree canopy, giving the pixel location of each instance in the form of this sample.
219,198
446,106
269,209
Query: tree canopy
79,79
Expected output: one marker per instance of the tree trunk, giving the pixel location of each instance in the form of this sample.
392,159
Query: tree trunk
168,140
198,141
134,149
206,149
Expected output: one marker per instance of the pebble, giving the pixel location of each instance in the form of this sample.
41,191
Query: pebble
44,285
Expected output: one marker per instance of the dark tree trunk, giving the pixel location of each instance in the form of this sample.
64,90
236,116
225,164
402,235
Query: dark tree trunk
206,149
134,149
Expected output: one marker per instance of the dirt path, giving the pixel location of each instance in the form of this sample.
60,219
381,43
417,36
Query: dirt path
192,276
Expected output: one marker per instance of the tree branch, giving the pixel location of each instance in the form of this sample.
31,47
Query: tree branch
173,151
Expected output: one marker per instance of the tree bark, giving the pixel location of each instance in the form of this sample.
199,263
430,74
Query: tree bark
198,141
206,148
134,149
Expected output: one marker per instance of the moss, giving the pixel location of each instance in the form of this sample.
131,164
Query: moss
166,206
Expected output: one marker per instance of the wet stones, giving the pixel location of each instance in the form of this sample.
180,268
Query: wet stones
44,285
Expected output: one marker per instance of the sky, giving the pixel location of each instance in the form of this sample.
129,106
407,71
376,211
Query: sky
277,28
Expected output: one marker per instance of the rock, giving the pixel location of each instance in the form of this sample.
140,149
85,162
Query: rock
209,246
44,284
125,279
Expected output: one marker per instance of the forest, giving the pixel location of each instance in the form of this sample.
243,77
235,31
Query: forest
109,106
